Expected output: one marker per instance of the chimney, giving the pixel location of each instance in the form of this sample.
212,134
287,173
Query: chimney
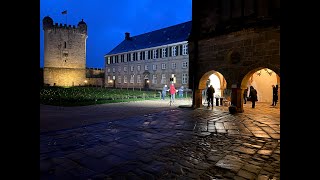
127,37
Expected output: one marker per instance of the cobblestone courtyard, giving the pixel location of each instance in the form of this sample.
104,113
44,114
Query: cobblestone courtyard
152,140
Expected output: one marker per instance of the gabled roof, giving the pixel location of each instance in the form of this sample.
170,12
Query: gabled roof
168,35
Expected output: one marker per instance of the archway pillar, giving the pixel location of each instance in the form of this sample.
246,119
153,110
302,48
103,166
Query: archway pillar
197,98
237,97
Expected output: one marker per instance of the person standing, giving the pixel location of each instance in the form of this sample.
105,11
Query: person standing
181,92
210,93
253,95
245,94
274,95
164,92
172,92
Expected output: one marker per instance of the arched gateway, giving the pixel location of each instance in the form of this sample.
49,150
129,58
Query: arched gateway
234,43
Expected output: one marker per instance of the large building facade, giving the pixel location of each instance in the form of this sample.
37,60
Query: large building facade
65,56
234,39
150,60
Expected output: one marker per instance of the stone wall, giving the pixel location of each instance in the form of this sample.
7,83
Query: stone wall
237,53
64,76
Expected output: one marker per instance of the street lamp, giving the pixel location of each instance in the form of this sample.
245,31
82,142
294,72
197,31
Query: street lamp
85,82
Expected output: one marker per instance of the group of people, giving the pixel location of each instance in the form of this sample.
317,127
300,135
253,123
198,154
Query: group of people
172,91
253,95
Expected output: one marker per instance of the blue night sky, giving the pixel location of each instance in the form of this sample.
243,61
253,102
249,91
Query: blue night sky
108,20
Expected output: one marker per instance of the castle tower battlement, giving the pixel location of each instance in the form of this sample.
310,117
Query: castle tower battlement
64,53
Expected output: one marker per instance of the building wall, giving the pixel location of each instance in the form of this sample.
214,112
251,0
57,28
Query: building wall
255,48
178,71
64,76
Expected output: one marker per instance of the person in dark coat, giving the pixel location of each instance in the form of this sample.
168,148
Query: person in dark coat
210,92
245,95
253,95
274,95
164,92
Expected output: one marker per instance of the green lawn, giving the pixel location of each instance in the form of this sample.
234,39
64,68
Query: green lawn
81,96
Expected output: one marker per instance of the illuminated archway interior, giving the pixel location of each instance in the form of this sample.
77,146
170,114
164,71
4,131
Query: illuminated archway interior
262,80
215,82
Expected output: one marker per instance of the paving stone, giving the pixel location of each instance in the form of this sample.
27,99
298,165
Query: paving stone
245,150
232,163
246,174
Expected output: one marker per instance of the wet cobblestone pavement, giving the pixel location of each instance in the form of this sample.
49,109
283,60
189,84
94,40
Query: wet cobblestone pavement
174,143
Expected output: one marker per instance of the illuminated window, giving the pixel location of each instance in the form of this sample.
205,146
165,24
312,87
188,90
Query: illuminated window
132,79
145,67
138,68
154,67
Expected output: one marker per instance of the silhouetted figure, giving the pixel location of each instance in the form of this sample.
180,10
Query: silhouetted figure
245,95
253,95
274,95
210,92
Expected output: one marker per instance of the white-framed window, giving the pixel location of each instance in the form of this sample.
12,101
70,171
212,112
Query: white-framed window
119,79
138,68
108,70
163,66
154,67
108,60
125,68
125,80
163,79
131,56
119,69
184,78
139,78
132,78
155,53
125,58
145,67
174,51
113,69
173,65
139,56
131,68
184,64
146,55
154,79
164,52
114,77
185,49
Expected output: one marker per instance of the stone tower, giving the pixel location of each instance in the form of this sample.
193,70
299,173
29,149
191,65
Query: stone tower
64,53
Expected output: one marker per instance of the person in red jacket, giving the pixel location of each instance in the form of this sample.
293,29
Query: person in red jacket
172,92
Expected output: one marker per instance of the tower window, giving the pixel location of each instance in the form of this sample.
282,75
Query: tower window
65,45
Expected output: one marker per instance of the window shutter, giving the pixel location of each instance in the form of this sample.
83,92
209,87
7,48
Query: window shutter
169,52
149,54
180,50
160,53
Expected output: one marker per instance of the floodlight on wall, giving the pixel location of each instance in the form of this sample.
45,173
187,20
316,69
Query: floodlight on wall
270,73
259,73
